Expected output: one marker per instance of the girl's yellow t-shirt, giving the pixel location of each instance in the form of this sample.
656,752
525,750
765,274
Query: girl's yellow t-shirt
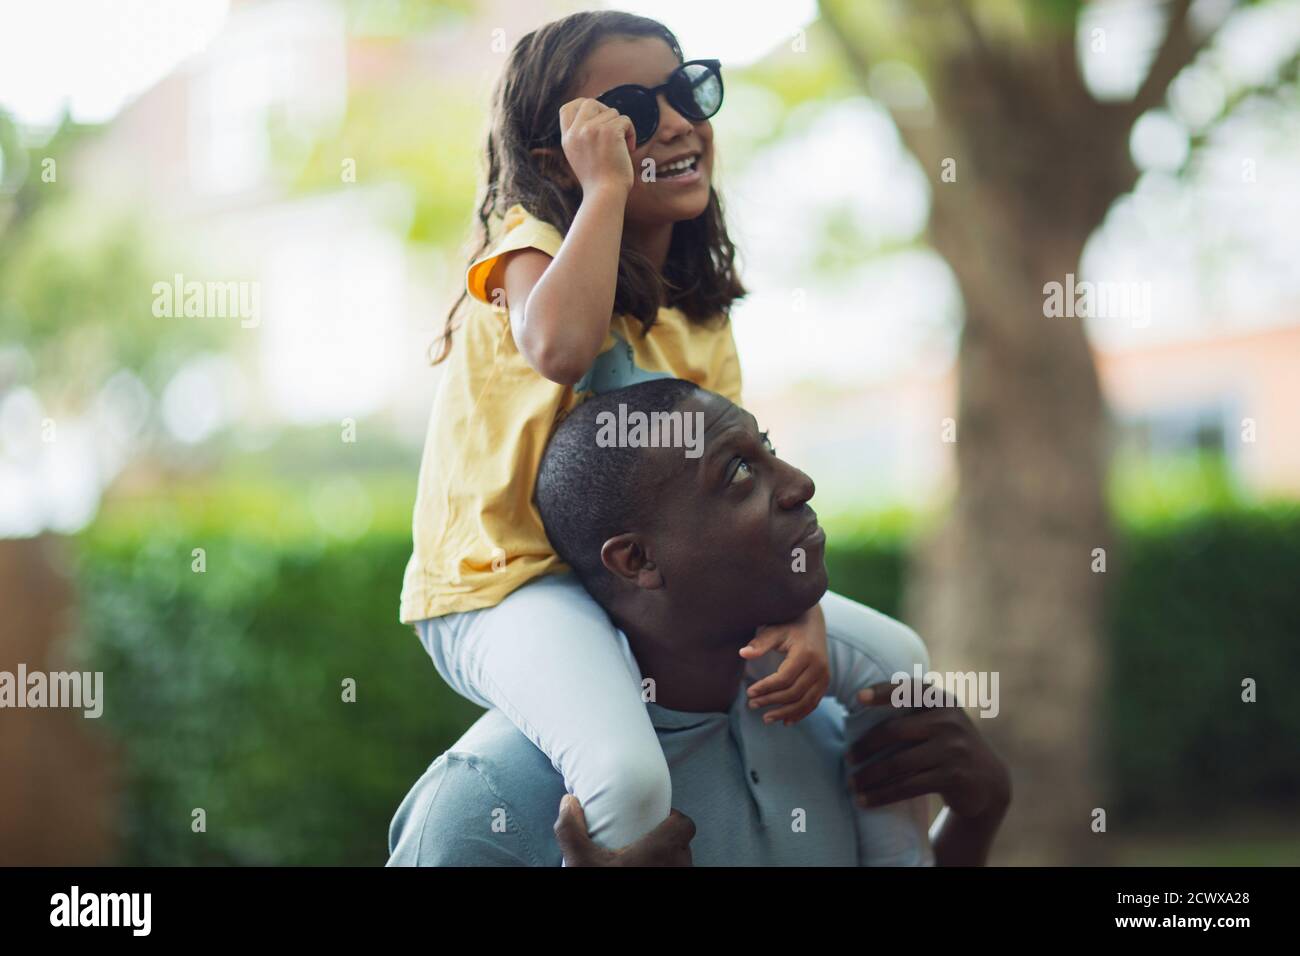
477,533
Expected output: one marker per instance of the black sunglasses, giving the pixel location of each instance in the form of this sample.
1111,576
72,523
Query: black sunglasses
694,89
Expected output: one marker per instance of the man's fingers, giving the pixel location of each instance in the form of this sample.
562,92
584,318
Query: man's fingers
878,695
911,727
882,694
668,844
571,833
914,759
914,786
678,827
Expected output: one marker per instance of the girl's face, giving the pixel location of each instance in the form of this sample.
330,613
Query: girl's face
663,199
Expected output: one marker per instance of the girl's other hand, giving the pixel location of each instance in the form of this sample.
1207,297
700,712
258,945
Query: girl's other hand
801,681
598,142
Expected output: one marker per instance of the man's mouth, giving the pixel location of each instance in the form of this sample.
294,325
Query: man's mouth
813,536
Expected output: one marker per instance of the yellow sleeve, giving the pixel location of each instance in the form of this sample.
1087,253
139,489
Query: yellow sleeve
726,369
519,230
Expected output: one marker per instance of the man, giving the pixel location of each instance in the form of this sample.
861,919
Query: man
689,553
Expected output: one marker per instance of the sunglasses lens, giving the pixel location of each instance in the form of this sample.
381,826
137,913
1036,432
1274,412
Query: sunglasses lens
697,92
637,106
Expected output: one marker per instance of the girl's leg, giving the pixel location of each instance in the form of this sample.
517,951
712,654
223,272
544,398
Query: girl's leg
551,660
867,647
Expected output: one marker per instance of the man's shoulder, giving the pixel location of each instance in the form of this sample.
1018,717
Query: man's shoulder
490,800
889,643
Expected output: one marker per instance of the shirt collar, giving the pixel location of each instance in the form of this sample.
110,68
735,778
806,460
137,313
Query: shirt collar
665,719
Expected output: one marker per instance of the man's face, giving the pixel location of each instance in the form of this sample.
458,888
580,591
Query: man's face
731,531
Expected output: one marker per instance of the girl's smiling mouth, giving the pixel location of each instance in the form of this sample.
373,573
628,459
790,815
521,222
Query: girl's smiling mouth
685,170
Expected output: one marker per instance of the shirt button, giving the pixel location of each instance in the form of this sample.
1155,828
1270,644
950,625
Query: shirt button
753,775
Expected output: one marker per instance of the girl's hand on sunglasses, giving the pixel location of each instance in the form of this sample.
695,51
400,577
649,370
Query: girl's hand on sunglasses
598,142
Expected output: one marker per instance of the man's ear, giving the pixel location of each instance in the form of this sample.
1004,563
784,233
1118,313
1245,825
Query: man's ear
555,166
626,558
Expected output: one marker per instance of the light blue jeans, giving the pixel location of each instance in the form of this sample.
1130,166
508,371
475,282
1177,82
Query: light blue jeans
550,659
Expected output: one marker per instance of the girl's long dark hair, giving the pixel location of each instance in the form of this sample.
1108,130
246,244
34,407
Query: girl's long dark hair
699,275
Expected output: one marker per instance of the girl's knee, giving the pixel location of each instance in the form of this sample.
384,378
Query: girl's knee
647,790
634,794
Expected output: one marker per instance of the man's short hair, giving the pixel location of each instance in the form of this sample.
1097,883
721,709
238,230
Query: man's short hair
587,494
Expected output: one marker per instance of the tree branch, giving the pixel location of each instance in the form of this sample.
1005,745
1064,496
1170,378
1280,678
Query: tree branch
1178,49
993,68
919,141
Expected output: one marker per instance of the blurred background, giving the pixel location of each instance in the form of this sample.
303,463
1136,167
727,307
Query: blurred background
1098,502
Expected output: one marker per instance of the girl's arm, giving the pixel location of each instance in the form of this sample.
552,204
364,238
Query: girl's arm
560,309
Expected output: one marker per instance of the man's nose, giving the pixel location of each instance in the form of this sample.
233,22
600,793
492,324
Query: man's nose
796,488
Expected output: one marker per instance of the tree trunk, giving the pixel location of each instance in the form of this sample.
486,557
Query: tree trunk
1008,584
1012,582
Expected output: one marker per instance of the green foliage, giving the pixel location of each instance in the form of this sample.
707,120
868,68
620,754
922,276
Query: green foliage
866,558
224,687
796,78
407,140
396,18
76,282
1200,604
1144,491
225,691
1060,15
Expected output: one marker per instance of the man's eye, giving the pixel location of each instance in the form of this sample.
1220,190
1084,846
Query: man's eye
742,471
767,443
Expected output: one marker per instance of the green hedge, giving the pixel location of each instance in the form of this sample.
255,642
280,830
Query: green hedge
224,688
225,691
1200,604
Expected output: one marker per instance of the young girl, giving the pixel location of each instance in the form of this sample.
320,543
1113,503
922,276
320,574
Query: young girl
605,261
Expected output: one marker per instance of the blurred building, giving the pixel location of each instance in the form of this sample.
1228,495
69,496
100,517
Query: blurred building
212,151
1235,394
349,308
